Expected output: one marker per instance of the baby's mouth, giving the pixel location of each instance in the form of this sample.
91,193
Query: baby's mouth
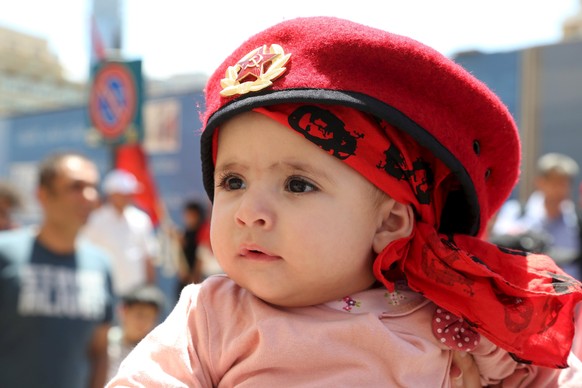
258,254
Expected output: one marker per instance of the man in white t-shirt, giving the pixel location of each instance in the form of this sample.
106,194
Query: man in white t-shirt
125,231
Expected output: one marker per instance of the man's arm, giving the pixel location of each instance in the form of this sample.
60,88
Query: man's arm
98,359
151,250
150,270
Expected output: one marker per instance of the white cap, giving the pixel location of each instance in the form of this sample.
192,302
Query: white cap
121,182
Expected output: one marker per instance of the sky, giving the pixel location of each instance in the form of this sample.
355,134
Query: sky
175,37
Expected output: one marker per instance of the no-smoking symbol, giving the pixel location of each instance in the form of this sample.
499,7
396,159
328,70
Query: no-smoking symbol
113,100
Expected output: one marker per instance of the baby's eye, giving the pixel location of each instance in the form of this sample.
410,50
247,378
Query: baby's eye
299,185
231,182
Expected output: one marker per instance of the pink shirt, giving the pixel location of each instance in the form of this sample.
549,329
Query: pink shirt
220,335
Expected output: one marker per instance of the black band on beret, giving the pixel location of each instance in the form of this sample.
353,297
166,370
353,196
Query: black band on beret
461,212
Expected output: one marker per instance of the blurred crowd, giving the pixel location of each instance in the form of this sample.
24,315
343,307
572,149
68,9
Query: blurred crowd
79,290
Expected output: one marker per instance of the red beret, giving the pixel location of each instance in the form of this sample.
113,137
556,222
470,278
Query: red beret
328,60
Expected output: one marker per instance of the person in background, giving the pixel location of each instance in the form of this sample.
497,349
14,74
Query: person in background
124,231
55,288
210,265
10,200
549,220
193,215
139,312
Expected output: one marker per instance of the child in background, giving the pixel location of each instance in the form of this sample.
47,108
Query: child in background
352,173
193,217
10,201
139,313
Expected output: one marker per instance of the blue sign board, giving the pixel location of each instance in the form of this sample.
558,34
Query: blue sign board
115,102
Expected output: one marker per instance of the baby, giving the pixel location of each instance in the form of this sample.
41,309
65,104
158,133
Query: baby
352,172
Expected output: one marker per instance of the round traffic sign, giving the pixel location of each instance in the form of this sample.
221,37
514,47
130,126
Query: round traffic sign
113,100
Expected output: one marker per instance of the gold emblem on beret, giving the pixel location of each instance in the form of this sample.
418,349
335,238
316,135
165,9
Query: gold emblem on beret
255,71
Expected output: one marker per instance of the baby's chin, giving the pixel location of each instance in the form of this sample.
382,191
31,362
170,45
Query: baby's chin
291,303
290,296
298,300
288,301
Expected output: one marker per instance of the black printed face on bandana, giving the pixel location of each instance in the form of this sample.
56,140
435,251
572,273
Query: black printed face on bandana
420,175
325,129
563,284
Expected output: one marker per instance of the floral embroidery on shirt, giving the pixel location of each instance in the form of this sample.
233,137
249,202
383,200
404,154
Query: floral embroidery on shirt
350,303
394,298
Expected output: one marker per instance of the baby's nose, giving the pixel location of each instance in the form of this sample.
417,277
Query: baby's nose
256,209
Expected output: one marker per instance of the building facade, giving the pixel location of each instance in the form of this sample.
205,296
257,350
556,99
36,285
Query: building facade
31,78
542,88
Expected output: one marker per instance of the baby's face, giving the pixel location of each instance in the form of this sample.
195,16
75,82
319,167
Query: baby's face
290,223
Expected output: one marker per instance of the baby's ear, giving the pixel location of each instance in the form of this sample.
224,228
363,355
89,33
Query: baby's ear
397,221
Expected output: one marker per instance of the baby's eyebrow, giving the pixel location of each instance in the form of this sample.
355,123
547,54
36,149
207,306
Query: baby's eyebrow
298,166
290,165
227,167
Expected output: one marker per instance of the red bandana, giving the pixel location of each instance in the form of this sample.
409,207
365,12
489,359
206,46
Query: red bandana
522,302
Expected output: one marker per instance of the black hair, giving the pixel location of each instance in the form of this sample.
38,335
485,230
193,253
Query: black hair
9,193
195,206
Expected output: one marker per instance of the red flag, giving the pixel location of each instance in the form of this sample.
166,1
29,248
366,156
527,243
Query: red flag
97,45
132,158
